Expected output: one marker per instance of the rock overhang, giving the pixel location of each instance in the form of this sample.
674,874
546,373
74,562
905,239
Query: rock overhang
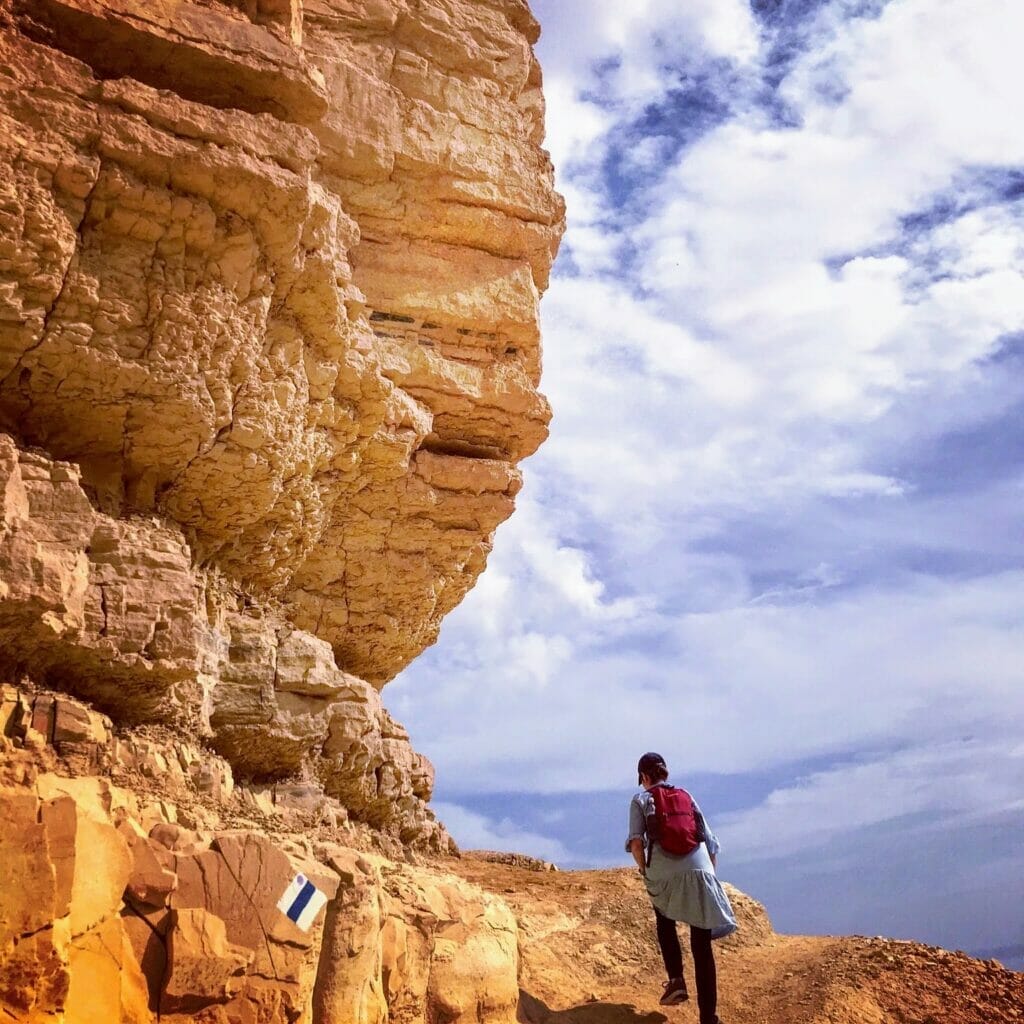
303,329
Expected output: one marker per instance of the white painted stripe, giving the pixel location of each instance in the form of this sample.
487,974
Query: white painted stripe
288,903
290,893
308,915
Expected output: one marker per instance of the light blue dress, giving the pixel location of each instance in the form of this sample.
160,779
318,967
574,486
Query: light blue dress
683,888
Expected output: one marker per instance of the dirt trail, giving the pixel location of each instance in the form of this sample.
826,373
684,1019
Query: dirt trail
589,957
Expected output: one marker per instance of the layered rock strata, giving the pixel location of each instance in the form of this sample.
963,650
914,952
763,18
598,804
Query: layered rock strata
271,270
112,610
269,358
114,910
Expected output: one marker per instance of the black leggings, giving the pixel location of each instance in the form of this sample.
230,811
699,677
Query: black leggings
703,963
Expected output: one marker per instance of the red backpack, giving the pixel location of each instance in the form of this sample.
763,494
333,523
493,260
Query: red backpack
675,825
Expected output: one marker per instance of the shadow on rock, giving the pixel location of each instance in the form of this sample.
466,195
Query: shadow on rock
533,1011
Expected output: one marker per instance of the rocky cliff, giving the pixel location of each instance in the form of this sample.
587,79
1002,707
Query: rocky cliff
270,271
269,358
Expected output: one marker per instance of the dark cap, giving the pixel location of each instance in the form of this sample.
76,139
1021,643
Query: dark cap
646,763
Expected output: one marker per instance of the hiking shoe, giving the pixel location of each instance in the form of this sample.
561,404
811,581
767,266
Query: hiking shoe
675,992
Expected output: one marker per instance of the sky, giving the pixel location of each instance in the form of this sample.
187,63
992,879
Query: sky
775,534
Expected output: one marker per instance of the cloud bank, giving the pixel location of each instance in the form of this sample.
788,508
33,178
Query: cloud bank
778,519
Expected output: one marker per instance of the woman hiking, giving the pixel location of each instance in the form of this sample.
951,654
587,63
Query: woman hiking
679,871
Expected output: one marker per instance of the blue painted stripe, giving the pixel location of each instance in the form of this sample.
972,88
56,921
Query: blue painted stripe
300,901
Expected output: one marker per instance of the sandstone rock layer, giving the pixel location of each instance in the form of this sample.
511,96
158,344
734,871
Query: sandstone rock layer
269,359
119,914
271,271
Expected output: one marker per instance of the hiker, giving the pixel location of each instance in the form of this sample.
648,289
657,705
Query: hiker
682,884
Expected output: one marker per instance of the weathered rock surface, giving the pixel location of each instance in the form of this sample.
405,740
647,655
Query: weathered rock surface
111,912
271,270
269,358
276,707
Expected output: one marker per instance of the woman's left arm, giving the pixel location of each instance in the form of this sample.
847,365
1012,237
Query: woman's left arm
637,830
636,847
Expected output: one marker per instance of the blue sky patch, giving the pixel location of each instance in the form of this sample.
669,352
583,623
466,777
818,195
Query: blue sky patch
782,492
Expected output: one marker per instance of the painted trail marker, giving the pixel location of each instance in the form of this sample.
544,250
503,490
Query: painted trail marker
301,902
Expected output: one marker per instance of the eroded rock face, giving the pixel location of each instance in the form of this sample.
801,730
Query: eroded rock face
269,358
113,611
119,915
107,606
271,270
269,274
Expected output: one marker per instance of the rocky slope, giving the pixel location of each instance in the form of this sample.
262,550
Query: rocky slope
588,956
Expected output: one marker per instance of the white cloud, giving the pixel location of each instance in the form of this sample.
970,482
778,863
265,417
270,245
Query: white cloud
945,99
621,58
951,787
632,49
737,690
981,242
478,832
757,534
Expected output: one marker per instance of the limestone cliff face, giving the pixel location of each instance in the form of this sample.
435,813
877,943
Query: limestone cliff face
269,269
112,610
269,357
